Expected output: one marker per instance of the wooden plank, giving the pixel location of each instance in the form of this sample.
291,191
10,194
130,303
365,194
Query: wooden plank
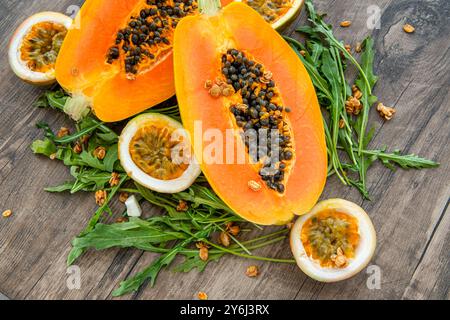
408,207
431,276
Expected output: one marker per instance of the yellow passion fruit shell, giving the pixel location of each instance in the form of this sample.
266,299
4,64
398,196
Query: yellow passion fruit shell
35,45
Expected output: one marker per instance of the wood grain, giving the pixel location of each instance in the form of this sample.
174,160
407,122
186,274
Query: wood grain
409,208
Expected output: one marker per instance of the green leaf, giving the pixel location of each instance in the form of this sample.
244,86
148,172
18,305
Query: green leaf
409,161
135,233
76,252
193,261
61,188
45,147
56,99
88,159
366,87
108,138
152,271
111,158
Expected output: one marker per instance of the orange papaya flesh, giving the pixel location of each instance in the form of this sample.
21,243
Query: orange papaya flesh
201,42
119,54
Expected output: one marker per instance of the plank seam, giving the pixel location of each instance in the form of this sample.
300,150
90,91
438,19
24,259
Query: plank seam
422,256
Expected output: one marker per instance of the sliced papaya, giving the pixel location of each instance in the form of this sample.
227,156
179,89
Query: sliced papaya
118,54
237,78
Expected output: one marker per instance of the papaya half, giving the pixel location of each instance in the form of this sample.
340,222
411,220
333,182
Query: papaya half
118,54
237,78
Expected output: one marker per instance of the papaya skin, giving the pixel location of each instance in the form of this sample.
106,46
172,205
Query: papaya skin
199,43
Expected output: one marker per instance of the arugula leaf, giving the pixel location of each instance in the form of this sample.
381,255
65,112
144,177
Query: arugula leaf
76,252
193,261
67,186
366,87
52,99
135,233
108,137
151,272
409,161
45,147
111,158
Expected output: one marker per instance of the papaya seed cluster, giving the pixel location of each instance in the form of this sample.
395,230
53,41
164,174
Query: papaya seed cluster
261,110
150,33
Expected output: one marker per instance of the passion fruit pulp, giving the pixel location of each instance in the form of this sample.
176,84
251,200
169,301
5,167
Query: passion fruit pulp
35,45
154,150
334,241
276,12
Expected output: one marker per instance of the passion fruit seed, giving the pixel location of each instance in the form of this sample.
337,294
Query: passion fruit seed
41,45
260,110
151,150
331,237
270,10
149,34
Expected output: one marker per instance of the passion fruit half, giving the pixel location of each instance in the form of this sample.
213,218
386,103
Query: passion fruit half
334,241
155,151
279,13
35,45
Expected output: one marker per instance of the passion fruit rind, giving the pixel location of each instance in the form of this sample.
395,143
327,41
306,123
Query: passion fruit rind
155,169
35,45
362,252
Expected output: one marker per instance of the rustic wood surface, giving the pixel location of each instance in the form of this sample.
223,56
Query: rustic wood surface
409,208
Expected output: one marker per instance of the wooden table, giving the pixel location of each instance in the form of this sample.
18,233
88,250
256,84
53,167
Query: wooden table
409,208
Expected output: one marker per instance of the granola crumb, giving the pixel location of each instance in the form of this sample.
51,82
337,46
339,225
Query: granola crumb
182,206
346,23
100,153
233,229
386,113
353,106
356,92
85,139
7,213
100,197
203,253
201,244
252,271
208,84
255,186
122,220
215,91
348,48
77,148
115,179
339,259
341,124
226,90
63,132
408,28
303,52
224,239
358,47
202,295
123,196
